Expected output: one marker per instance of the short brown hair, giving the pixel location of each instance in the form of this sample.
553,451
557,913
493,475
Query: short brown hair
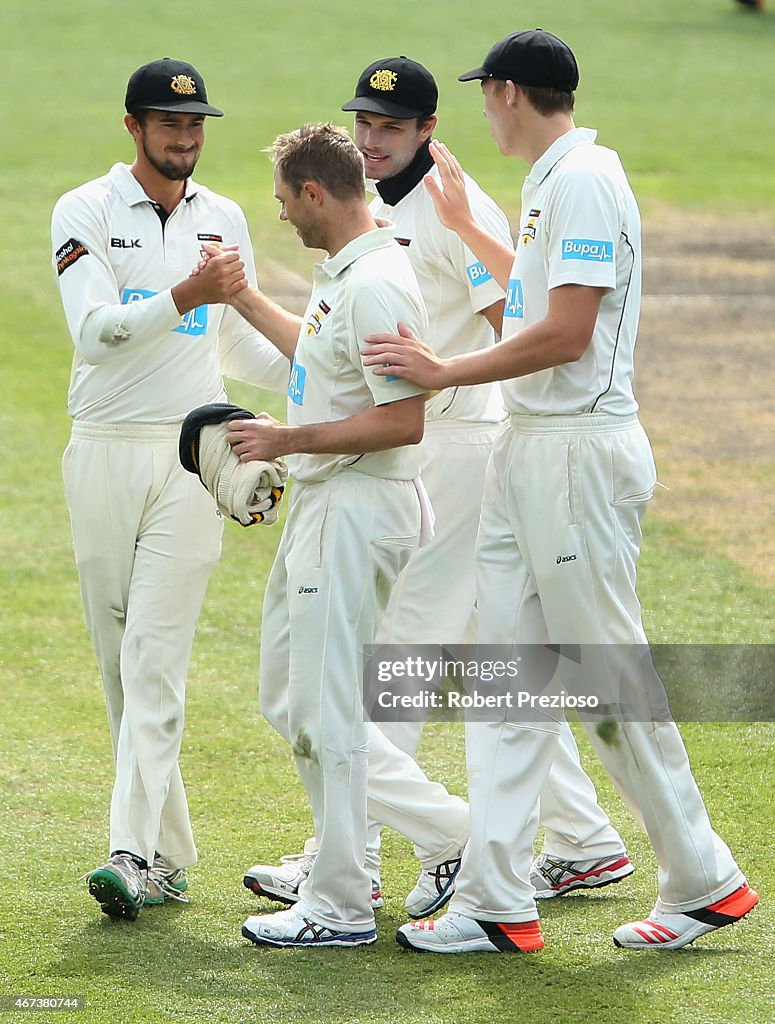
324,153
547,101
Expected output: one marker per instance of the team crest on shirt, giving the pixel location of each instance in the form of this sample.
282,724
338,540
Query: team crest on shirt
315,320
529,230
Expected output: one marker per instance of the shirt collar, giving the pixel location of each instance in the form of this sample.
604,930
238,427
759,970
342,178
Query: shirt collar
558,149
332,266
132,192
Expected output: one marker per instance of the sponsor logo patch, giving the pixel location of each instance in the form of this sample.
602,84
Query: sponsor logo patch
205,237
69,254
515,300
126,243
308,590
590,249
193,323
478,274
297,383
315,320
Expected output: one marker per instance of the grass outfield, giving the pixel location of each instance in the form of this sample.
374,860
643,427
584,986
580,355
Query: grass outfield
684,92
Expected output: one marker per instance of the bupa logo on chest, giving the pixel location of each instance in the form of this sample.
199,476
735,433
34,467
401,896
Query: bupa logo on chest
194,322
478,274
515,300
297,383
592,250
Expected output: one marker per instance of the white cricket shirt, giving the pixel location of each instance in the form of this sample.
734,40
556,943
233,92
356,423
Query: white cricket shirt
579,224
136,359
366,288
455,286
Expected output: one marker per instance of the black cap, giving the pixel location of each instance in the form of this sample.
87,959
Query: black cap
396,87
168,84
533,57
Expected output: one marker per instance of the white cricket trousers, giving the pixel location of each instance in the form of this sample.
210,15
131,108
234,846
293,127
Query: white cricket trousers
558,545
345,541
146,536
433,603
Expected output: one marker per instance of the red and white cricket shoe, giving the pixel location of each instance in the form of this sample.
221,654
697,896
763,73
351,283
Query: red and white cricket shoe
454,933
673,931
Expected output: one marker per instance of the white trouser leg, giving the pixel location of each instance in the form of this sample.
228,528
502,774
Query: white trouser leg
433,599
348,538
146,537
507,762
576,826
600,479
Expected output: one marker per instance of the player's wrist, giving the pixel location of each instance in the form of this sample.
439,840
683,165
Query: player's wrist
290,439
184,295
445,372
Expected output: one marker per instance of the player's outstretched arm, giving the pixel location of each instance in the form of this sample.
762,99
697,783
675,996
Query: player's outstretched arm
454,212
563,336
272,320
373,430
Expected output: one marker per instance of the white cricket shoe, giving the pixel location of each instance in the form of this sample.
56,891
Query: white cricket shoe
281,882
673,931
454,933
434,889
291,928
552,876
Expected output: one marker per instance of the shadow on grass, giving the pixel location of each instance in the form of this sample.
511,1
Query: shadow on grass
163,960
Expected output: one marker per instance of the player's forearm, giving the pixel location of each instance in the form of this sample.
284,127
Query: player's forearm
374,430
536,348
268,317
104,331
496,256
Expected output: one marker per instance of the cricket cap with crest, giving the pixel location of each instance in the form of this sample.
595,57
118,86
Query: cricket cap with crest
168,84
395,87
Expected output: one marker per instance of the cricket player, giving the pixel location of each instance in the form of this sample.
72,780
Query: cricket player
433,600
151,343
356,514
567,486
